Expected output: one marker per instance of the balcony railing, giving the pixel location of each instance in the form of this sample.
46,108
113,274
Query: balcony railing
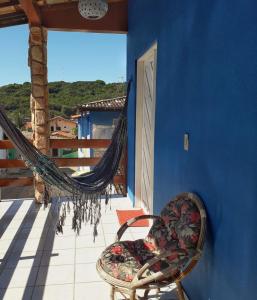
120,180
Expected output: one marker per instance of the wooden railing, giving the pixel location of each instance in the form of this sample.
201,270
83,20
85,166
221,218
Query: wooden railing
120,180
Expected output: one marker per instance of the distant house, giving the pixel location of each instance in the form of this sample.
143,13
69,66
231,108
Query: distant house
56,124
97,120
27,126
61,124
62,135
65,153
60,128
12,154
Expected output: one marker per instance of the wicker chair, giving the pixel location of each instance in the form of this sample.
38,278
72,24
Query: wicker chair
168,253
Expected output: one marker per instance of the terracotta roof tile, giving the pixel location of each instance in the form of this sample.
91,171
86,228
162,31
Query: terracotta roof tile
61,118
114,104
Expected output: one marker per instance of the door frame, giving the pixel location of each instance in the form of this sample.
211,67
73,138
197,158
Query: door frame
139,125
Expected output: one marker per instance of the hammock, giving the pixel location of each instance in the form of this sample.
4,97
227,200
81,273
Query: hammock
85,191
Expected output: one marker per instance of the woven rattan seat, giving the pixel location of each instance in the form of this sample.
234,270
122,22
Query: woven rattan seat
167,254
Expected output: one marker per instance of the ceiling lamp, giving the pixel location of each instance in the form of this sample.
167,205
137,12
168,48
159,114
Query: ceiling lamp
93,9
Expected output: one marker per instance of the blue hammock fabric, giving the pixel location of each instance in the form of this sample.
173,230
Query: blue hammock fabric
85,191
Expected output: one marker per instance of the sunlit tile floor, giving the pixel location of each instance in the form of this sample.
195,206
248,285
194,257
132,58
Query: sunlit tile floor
35,263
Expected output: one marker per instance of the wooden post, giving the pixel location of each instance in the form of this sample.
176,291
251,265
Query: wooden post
39,97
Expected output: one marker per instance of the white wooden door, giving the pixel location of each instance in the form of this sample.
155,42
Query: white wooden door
145,125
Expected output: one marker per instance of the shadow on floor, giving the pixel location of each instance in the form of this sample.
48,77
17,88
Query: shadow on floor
29,219
8,216
48,234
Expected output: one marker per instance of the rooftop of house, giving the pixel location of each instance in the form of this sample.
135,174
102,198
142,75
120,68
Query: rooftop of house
114,104
62,119
62,134
54,135
28,125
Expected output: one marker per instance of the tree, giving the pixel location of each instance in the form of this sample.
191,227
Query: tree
63,97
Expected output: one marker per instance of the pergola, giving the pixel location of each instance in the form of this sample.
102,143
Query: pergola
41,16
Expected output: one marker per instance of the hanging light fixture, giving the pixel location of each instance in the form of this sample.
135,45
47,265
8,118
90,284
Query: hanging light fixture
93,9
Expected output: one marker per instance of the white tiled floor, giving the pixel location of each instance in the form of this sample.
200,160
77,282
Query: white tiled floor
36,264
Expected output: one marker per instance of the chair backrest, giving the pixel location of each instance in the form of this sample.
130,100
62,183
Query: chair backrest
182,226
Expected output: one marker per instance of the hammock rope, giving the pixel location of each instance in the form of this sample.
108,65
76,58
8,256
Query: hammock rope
85,191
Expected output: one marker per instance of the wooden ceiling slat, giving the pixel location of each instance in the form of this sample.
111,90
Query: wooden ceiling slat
4,1
8,4
14,15
13,22
64,16
115,1
56,2
7,10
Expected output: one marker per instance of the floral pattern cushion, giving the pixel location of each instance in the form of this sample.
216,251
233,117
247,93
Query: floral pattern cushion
177,230
122,260
180,226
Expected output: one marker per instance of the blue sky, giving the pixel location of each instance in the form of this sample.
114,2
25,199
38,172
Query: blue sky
72,56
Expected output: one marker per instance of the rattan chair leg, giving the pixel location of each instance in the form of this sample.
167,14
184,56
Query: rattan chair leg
180,291
133,295
112,293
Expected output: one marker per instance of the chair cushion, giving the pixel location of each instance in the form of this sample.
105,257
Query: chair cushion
122,260
180,226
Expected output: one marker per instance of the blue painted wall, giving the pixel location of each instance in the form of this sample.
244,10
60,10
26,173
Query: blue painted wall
83,126
86,122
207,87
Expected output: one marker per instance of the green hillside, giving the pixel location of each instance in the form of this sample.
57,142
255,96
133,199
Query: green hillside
63,97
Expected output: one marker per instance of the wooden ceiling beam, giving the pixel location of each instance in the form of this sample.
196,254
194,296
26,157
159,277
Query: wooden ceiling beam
66,17
8,4
32,12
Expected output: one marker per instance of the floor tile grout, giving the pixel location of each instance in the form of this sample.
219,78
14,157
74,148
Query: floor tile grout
66,257
47,231
74,274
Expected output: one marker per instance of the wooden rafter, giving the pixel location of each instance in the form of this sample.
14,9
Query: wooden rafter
32,12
